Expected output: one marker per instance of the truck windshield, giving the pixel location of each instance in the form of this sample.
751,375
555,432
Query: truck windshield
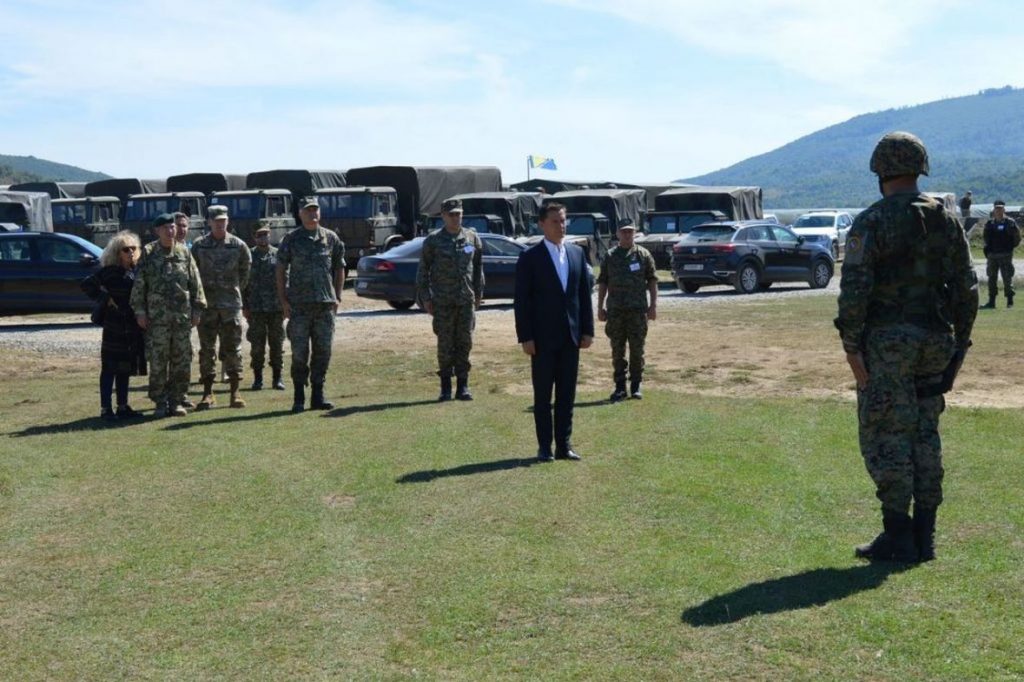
346,205
67,214
580,225
147,209
476,222
241,208
663,224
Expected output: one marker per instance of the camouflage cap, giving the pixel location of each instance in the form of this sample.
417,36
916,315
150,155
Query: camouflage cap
309,201
627,224
163,219
217,211
899,153
452,206
999,202
262,226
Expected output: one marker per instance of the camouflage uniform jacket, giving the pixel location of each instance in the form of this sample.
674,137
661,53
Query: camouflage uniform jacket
627,273
907,261
1001,242
260,295
167,285
451,268
311,259
224,267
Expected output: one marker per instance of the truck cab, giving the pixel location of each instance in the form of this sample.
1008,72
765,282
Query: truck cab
141,209
664,228
366,219
94,219
247,207
485,222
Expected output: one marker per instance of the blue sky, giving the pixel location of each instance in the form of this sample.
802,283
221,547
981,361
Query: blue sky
635,91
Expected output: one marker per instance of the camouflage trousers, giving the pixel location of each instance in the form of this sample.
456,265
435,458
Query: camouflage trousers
453,325
225,323
266,330
311,326
169,352
627,325
899,432
1001,264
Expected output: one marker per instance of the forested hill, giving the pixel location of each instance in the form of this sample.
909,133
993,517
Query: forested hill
15,169
974,142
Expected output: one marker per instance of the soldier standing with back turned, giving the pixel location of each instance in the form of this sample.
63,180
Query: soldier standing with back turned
1002,236
310,278
450,285
907,302
263,310
627,279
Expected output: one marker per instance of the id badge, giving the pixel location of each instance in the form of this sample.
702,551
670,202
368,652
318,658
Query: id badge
634,267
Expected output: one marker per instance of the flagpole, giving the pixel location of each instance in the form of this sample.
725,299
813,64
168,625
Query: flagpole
527,168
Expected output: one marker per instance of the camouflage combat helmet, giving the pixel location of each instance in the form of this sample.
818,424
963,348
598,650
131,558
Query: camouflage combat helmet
899,153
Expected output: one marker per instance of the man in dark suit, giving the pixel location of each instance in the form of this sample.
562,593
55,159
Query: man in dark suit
554,320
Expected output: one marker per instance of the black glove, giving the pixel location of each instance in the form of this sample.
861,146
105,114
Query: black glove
930,387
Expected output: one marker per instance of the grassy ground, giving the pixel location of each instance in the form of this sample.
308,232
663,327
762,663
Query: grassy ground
702,537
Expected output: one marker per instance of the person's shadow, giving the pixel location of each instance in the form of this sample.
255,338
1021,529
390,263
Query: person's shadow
800,591
427,475
378,407
84,424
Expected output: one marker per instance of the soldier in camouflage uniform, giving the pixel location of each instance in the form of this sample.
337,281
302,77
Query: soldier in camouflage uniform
263,311
627,279
310,278
907,303
224,262
167,299
1002,236
450,286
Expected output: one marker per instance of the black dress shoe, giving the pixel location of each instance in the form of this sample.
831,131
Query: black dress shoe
568,454
545,455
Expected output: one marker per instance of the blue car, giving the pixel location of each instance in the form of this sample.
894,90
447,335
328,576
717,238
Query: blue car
750,255
391,276
40,272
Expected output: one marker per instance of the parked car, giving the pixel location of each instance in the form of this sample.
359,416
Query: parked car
832,225
749,255
391,276
40,272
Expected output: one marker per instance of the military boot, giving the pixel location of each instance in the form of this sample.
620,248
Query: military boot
446,388
186,403
299,404
176,410
634,389
236,399
257,379
317,402
278,383
991,303
207,401
894,543
1009,301
462,388
619,394
924,532
160,411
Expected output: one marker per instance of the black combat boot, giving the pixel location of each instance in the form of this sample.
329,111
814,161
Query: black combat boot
278,382
991,303
462,388
924,532
894,543
619,394
257,378
299,404
1009,301
316,401
446,388
634,389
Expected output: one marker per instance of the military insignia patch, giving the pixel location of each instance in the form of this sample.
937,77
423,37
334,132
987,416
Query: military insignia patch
854,249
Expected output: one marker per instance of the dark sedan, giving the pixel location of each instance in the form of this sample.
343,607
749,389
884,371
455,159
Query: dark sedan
749,255
40,272
391,276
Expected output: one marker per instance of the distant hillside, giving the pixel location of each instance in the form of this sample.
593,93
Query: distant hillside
30,169
974,142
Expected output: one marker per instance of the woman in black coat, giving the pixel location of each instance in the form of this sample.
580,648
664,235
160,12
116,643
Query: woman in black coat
122,353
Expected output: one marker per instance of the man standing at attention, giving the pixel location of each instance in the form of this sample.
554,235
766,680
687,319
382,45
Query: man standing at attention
554,320
965,204
627,279
224,262
1002,236
262,310
907,302
450,286
310,278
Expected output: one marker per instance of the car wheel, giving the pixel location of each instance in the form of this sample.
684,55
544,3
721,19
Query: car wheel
821,274
690,287
401,305
748,279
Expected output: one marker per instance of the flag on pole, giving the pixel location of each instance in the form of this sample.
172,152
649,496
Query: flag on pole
544,162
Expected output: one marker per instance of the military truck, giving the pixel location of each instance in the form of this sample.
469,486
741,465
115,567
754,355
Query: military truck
207,183
94,219
26,210
366,219
56,190
143,208
122,188
513,214
593,217
682,208
246,207
421,189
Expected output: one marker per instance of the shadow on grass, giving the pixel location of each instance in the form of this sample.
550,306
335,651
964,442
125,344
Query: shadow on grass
180,423
800,591
589,403
428,475
378,407
84,424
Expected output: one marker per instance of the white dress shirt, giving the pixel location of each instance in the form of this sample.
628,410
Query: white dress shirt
561,261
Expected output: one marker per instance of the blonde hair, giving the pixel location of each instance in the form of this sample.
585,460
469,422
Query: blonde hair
112,252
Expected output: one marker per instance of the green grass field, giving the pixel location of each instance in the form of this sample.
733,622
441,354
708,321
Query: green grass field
397,538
